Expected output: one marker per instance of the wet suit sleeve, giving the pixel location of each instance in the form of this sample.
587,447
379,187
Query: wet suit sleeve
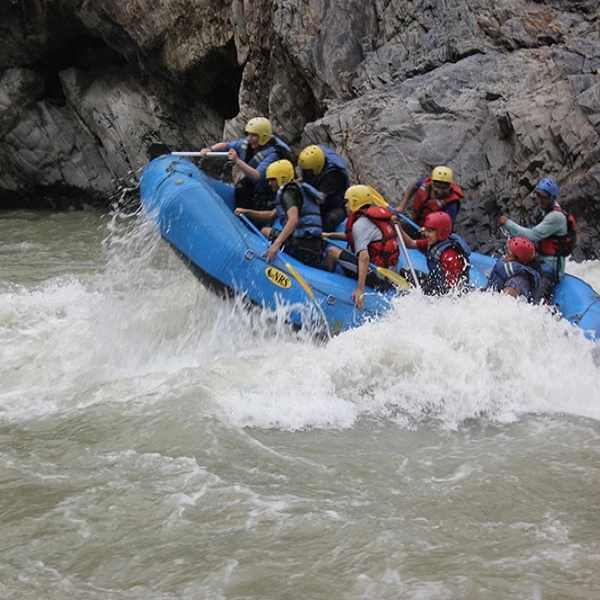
452,210
417,184
554,223
422,245
235,145
291,196
270,156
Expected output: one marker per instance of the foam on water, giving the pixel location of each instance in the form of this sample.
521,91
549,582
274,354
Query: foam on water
140,329
588,270
446,360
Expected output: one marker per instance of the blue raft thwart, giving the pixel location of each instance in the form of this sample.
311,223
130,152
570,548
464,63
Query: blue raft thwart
194,213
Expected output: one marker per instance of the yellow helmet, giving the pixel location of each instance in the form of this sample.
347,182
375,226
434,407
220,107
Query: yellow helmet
358,196
442,173
262,127
312,158
281,170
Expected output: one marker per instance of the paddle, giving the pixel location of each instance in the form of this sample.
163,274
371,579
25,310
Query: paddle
394,277
380,200
206,155
303,283
159,149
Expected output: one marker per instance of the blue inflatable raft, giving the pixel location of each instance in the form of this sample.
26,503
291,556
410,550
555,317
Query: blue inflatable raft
194,213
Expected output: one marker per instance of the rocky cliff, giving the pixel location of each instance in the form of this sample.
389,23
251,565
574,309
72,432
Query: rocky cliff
503,92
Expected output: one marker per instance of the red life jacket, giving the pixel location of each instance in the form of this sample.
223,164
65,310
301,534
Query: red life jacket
384,252
560,245
424,203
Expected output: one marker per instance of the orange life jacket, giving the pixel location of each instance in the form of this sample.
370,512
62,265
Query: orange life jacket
384,252
560,245
424,203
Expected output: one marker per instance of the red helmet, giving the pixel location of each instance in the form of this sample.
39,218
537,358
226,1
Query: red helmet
522,248
441,222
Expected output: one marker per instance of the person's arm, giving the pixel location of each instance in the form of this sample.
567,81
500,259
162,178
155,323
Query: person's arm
218,147
258,215
293,215
334,235
358,294
517,285
551,224
408,194
452,210
245,168
408,241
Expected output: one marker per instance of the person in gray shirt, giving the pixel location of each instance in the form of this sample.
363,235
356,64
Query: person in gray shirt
372,239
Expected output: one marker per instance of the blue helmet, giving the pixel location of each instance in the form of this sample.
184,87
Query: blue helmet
548,186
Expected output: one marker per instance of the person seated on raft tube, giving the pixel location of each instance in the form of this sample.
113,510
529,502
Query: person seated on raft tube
517,273
547,234
447,255
326,171
297,208
252,155
433,194
370,236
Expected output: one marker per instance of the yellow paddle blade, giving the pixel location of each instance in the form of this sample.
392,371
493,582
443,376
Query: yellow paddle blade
300,280
379,199
394,277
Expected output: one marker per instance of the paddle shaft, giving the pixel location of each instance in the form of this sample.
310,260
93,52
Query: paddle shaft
408,260
199,154
409,221
379,199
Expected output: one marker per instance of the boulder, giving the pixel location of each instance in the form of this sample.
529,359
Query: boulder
503,93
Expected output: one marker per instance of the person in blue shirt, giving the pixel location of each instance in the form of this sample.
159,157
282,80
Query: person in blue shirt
252,155
546,234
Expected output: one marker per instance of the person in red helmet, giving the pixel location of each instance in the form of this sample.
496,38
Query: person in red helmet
446,252
518,272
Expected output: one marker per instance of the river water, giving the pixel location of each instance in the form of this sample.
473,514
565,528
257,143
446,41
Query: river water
157,442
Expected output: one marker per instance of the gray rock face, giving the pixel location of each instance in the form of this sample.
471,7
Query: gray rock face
504,93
